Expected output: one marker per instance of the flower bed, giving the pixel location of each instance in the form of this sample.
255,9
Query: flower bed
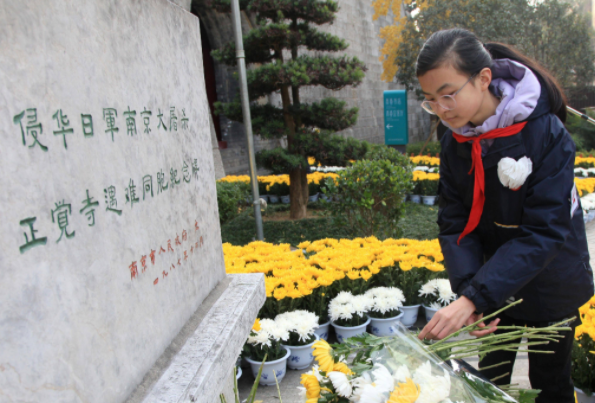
583,351
308,278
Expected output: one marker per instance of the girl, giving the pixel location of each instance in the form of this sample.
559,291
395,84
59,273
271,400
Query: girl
505,233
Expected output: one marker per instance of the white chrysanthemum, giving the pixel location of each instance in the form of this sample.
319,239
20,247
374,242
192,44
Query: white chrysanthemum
278,331
340,383
422,373
261,337
445,294
436,305
435,389
401,374
381,305
428,288
362,304
383,378
316,372
421,168
343,297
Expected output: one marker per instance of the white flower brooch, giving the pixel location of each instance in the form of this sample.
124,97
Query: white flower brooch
513,173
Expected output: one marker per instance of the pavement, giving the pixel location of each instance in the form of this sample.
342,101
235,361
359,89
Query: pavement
288,386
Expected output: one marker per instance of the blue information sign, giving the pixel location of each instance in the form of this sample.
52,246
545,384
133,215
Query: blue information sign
396,129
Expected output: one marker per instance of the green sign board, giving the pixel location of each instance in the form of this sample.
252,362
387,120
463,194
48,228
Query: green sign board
396,129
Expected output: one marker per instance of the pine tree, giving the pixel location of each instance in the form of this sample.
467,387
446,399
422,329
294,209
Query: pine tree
272,49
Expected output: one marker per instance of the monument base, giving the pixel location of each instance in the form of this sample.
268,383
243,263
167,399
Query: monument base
198,364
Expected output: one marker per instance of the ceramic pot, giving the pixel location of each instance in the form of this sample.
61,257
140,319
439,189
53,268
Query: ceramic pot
301,356
385,327
344,332
270,369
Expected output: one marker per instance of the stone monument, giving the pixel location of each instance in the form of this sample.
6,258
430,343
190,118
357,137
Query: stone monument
113,281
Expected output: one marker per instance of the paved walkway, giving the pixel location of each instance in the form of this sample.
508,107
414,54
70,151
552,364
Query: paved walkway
288,387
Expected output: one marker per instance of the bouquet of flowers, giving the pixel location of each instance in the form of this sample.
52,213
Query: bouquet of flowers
300,325
386,302
350,310
402,369
437,293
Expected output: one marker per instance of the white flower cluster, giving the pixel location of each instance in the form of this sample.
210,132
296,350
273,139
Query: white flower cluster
269,330
439,292
386,299
588,202
434,389
584,173
427,169
327,169
345,305
301,322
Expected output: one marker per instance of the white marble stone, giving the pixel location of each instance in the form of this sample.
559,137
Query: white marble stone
197,367
78,322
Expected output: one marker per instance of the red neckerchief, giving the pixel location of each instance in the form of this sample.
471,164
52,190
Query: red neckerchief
477,165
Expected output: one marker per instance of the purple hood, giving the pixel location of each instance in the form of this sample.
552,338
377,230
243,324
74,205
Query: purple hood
520,91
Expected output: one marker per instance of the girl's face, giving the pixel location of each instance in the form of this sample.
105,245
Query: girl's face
470,100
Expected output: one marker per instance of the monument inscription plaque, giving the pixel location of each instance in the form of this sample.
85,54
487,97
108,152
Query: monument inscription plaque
108,221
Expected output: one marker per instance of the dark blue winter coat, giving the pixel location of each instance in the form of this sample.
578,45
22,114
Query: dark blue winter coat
526,245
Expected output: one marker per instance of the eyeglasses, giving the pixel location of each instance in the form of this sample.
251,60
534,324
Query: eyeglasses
447,102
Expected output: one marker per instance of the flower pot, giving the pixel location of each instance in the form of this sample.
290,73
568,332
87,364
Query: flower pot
582,397
322,330
273,199
429,200
313,198
344,332
270,369
238,372
409,314
285,199
301,356
415,198
385,327
591,215
429,312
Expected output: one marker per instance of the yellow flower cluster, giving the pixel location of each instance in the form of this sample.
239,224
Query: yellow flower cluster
584,186
584,160
270,180
421,175
424,160
587,313
407,392
292,274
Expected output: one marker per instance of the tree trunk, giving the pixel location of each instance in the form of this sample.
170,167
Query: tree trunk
298,191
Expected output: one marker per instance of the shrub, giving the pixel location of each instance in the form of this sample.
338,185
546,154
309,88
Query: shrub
369,198
432,148
229,197
382,152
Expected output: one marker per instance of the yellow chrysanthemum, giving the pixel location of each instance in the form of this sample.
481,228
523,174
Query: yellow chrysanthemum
407,392
279,293
342,367
256,326
323,353
312,386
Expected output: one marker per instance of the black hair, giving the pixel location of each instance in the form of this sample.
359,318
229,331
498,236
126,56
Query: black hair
465,52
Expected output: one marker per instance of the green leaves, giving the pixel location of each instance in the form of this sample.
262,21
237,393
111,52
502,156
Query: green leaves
370,197
552,32
329,72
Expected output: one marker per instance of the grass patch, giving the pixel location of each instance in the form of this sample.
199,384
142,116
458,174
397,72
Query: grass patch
418,222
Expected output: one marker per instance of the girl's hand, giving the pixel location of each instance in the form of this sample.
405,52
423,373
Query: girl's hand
480,333
452,318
